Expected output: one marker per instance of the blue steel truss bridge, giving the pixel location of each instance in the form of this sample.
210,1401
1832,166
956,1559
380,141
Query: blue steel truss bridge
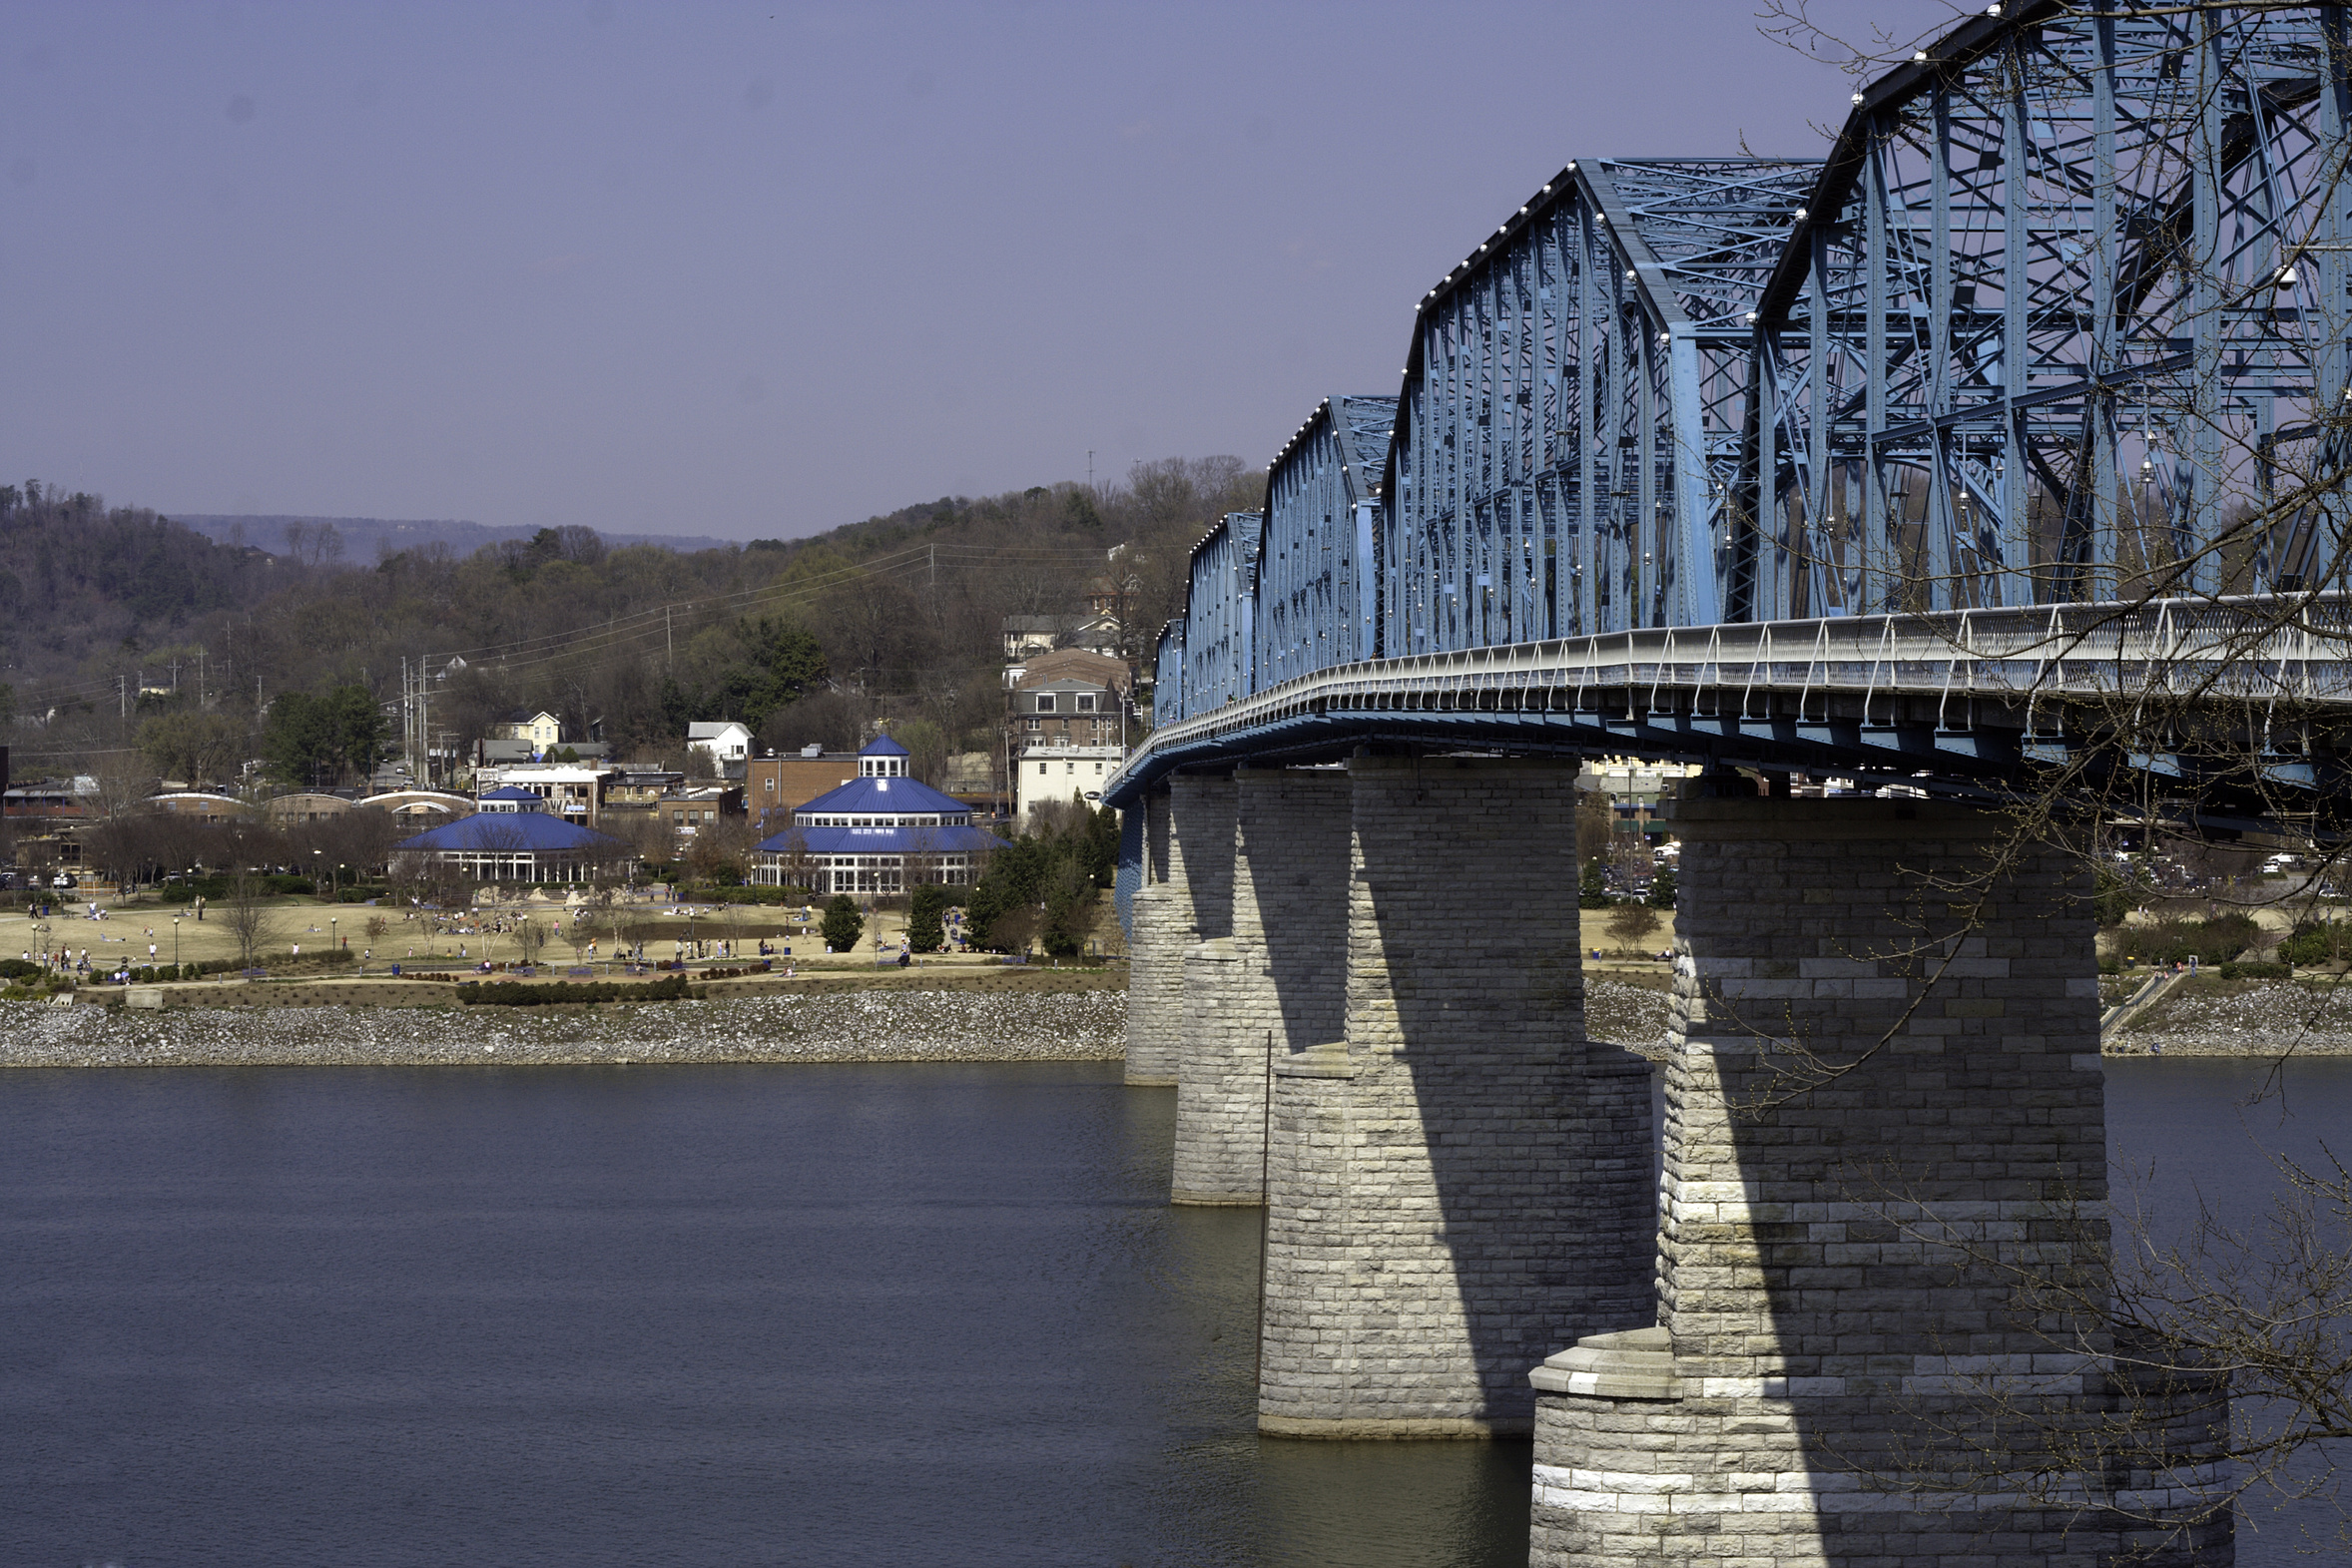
2000,451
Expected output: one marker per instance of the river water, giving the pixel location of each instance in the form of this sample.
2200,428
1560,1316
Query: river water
829,1314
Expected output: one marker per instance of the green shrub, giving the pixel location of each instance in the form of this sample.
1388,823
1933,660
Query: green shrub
520,993
18,969
2210,942
2256,972
842,925
2316,942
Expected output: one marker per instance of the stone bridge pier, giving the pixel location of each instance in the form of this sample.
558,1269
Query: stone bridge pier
1186,899
1881,1334
1459,1180
1273,986
1155,954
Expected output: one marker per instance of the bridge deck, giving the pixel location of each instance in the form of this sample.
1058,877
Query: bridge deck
1960,699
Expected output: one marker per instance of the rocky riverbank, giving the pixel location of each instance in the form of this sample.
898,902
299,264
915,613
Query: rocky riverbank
863,1026
2216,1018
1633,1016
2208,1018
902,1024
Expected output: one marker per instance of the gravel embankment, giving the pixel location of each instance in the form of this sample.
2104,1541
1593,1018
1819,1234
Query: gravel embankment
875,1026
1632,1016
2249,1019
2258,1020
909,1026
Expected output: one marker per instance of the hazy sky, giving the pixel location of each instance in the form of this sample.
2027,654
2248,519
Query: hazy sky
765,269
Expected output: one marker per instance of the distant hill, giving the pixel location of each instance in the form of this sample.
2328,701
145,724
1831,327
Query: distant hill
364,537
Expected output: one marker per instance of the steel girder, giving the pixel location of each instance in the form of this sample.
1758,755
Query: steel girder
1575,402
2070,298
1217,639
1316,573
1167,686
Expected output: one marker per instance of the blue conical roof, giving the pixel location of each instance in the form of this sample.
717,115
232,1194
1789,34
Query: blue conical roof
883,746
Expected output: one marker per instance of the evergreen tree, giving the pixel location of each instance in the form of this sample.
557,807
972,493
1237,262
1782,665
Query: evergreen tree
317,740
924,932
842,925
1662,888
1593,892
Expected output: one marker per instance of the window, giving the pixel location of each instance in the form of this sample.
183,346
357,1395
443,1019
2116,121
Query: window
1045,702
1041,769
769,781
1085,702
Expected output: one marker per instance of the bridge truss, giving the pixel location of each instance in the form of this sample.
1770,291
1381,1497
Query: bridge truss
2063,320
2060,321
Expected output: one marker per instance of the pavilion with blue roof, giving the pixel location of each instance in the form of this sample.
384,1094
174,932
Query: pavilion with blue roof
882,833
512,838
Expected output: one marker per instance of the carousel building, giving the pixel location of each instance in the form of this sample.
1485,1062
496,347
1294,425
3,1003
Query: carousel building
882,833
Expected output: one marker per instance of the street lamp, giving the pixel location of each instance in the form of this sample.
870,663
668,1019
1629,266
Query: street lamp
175,941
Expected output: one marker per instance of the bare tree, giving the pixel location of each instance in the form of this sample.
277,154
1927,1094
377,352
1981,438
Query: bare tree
1633,924
245,915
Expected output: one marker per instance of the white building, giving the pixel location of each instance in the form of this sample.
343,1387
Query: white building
1059,770
726,741
571,790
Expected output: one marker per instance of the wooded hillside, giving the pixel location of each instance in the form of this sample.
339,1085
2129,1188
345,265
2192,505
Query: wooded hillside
111,618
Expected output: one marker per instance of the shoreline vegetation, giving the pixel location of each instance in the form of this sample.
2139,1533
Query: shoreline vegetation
971,1015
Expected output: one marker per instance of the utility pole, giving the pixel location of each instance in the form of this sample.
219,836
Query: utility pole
424,733
669,651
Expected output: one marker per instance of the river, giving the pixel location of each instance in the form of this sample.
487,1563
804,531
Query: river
834,1315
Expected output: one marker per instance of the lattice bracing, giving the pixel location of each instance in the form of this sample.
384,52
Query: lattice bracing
2072,291
1575,403
1318,596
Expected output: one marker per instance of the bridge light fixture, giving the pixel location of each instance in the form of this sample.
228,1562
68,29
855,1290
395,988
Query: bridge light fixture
2286,275
1858,100
1918,57
1802,215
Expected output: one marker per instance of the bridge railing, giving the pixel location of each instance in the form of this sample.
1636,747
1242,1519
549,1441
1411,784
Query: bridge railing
2294,650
